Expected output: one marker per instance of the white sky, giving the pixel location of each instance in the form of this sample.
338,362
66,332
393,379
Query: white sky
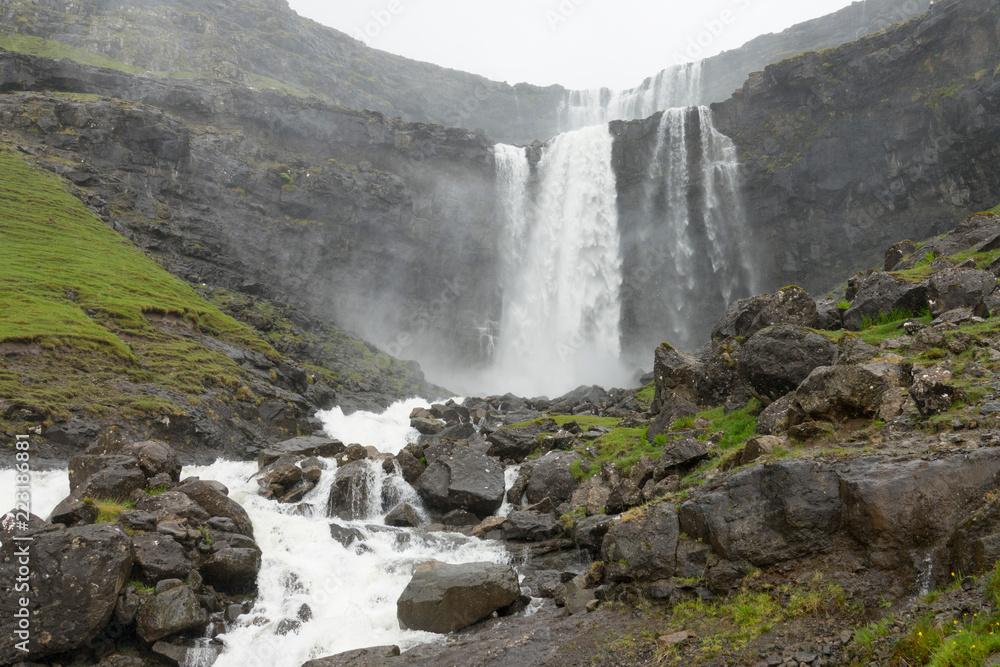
576,43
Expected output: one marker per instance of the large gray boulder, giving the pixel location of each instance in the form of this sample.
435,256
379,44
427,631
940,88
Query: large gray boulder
962,288
444,598
159,557
768,514
216,503
232,570
373,656
777,359
306,445
837,393
74,581
458,477
895,508
790,305
167,613
879,293
552,477
351,494
646,545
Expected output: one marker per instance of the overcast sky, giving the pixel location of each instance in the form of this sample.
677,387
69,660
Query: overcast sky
576,43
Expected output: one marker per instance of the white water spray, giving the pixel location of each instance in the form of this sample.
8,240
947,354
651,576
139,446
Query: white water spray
679,86
562,276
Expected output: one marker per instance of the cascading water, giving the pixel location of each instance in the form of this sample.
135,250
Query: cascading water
317,597
678,86
685,244
562,274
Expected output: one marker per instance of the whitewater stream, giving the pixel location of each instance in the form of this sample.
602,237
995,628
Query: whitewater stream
315,596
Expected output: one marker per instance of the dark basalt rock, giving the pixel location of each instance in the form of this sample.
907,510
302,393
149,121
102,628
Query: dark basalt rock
746,317
168,613
445,598
775,360
647,545
76,575
459,477
159,557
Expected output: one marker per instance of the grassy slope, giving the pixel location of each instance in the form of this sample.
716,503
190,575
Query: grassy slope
50,48
81,293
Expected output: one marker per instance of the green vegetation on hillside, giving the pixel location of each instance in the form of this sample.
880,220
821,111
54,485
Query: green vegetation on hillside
79,307
48,48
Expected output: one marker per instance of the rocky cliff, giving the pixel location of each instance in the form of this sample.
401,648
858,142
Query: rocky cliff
847,150
263,43
382,226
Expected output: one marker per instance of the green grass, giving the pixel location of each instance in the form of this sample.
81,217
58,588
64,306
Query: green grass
646,394
584,421
109,510
883,319
47,48
81,296
141,587
736,427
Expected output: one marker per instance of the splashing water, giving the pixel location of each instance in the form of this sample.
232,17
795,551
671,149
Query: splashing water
674,87
388,432
561,311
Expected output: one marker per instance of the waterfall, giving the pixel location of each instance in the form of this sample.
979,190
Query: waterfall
562,275
678,86
686,242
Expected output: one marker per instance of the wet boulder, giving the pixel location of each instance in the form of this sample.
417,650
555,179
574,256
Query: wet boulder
374,656
552,477
75,577
459,477
768,514
217,503
403,516
962,288
172,505
351,496
159,557
158,458
790,305
167,613
513,445
879,293
307,445
894,509
232,570
647,545
531,526
775,360
444,598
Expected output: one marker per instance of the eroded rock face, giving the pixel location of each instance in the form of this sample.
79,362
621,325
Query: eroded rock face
768,514
75,577
444,598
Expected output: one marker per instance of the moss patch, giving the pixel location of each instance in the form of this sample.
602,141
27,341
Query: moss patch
87,320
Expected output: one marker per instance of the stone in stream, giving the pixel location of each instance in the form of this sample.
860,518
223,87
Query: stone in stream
444,598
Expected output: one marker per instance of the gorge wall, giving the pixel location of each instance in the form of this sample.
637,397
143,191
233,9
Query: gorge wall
263,43
395,229
849,150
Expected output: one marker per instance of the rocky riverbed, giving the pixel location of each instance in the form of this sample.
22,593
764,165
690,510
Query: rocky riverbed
816,486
